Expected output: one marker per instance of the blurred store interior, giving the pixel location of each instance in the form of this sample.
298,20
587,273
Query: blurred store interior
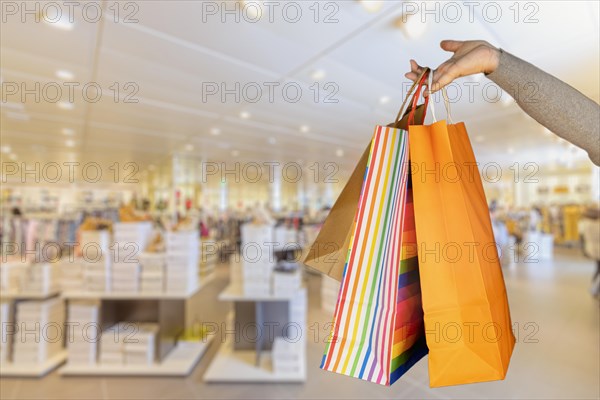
193,133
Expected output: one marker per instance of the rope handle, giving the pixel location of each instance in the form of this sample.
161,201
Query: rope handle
418,82
446,101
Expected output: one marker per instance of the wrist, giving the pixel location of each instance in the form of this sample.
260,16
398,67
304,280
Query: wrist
493,60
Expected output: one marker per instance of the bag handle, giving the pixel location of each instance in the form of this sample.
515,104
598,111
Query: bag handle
418,82
415,99
446,101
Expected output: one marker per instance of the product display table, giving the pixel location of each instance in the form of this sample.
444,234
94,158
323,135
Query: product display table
82,295
180,361
175,358
28,370
233,364
33,370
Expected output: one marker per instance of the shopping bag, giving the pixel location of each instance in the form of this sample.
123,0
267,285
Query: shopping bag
467,319
328,252
377,332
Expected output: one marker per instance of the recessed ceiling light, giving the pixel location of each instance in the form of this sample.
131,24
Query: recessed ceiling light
189,147
69,143
318,74
65,105
244,115
384,99
339,153
68,131
60,20
12,156
5,149
304,128
215,131
235,153
252,9
64,74
371,6
413,26
272,140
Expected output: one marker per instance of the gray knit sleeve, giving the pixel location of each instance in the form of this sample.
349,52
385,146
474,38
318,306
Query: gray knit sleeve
551,102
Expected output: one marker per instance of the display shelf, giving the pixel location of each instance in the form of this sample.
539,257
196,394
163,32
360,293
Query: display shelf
10,369
240,366
12,295
235,292
138,295
179,362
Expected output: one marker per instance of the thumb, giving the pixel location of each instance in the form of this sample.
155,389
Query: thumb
451,45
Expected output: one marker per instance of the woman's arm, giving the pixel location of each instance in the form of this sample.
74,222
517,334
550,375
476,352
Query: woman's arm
551,102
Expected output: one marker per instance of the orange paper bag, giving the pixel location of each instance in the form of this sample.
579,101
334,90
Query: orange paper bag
467,319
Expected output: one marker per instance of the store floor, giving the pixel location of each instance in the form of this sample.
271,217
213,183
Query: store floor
557,354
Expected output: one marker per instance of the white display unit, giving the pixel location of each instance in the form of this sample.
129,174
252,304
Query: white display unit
231,365
179,362
29,370
11,295
87,295
235,292
239,366
34,370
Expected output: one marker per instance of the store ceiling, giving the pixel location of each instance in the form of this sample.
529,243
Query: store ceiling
171,57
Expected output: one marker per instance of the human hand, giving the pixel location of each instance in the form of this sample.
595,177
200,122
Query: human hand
470,57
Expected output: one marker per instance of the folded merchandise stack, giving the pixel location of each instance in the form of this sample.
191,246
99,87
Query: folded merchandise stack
111,343
258,260
83,331
183,256
131,238
12,275
5,320
153,272
71,274
40,325
286,282
42,278
209,251
97,274
297,313
140,348
129,343
329,293
286,238
125,277
287,356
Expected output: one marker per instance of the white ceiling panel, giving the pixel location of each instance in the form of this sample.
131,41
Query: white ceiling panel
171,54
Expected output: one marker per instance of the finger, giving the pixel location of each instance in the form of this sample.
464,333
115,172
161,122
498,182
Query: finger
439,71
451,45
415,71
412,76
414,67
445,78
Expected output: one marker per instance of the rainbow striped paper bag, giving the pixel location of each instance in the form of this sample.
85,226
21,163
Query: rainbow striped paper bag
378,332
